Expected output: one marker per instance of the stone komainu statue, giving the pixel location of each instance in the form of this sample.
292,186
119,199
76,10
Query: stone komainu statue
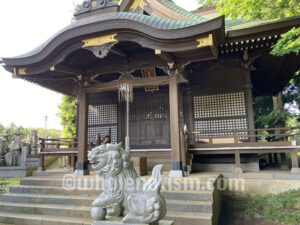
123,189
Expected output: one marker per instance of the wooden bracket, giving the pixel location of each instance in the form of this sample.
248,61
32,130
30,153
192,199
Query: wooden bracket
66,69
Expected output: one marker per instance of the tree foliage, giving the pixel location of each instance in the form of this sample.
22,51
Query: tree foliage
67,116
43,133
263,10
289,42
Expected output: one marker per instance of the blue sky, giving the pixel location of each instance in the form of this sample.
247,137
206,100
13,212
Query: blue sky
23,26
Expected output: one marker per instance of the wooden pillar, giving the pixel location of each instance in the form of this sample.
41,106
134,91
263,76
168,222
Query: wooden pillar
295,162
41,163
72,162
82,163
183,151
238,168
41,156
283,162
176,170
249,101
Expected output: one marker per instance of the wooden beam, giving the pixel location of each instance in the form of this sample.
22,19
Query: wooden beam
168,57
175,129
137,60
137,83
118,51
66,69
82,164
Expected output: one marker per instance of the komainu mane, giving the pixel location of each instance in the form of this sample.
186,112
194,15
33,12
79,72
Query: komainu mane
123,189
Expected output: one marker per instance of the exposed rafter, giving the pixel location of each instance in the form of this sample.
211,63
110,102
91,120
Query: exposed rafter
66,69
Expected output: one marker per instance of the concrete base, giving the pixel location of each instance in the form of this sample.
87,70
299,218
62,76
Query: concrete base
118,221
81,173
176,173
13,171
32,161
237,170
284,167
224,167
41,169
295,170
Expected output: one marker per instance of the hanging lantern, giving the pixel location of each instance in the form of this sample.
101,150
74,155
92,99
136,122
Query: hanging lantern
125,92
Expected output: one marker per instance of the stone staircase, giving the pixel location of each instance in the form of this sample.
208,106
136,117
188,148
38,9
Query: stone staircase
43,201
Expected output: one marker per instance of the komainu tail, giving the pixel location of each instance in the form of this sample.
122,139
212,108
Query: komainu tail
156,180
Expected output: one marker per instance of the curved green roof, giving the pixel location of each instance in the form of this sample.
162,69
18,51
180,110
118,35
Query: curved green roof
156,22
170,4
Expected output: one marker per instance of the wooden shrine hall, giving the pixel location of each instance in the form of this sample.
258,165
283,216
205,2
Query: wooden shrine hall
193,76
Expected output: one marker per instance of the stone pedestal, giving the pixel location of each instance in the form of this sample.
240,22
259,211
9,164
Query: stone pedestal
237,170
176,173
295,170
140,165
118,221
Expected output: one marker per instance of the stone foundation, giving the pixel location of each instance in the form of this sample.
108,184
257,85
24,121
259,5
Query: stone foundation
118,221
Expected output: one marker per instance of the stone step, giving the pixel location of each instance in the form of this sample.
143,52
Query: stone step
81,201
29,219
76,200
189,206
172,195
52,172
205,183
190,218
59,211
52,190
46,209
188,196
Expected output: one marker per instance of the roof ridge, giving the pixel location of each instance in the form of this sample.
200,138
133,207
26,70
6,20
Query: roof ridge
173,6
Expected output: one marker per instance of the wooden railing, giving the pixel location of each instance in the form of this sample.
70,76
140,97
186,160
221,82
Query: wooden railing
65,147
243,137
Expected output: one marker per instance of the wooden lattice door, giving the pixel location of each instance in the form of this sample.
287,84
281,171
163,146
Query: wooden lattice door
101,119
149,121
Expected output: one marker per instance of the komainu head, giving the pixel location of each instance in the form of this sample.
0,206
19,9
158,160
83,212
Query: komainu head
109,159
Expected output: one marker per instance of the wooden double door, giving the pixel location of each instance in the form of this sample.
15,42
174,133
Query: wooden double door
149,120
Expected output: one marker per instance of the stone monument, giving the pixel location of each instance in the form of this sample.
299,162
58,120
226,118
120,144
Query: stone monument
34,142
3,151
13,157
124,190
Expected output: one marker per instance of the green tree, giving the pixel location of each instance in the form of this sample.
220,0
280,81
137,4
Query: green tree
67,116
263,10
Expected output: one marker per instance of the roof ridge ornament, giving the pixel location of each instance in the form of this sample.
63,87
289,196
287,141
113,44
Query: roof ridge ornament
89,6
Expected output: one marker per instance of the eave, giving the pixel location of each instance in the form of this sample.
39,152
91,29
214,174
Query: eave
149,36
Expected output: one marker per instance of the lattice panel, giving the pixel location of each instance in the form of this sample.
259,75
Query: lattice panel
221,105
219,125
103,114
100,119
132,111
160,110
93,131
145,108
226,124
149,107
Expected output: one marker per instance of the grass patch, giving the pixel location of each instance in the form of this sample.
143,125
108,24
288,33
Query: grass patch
5,183
284,207
281,208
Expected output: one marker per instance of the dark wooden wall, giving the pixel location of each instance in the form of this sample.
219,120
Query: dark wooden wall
215,98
